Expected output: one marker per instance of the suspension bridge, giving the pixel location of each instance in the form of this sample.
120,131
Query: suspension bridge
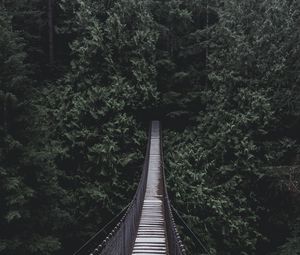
147,226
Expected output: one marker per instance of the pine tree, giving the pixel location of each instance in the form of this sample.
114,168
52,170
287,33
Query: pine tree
249,71
96,141
29,189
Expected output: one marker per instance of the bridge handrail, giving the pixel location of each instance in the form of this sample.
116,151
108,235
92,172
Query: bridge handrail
175,244
120,241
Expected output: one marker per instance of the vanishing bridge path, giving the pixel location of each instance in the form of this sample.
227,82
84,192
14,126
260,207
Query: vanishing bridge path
151,235
147,227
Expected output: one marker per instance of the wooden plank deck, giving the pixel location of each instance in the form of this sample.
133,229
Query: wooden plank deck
151,236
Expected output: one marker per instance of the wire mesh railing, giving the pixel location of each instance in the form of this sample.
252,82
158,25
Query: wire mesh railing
101,234
175,245
121,240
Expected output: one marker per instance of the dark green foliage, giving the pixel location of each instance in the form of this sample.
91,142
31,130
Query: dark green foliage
214,165
216,168
30,19
92,132
83,163
13,86
17,192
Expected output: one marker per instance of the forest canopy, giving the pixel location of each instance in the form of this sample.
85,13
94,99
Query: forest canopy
81,79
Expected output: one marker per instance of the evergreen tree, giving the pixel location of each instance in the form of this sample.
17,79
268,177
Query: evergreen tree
96,141
30,195
251,65
13,88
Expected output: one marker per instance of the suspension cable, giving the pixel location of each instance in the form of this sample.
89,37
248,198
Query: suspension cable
189,230
101,230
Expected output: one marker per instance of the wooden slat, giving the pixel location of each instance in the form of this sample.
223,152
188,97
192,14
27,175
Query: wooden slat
151,236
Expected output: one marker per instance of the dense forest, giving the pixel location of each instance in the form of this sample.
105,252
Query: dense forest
81,79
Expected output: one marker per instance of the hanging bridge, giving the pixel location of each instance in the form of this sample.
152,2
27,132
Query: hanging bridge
147,227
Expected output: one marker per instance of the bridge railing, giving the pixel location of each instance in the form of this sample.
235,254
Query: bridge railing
121,240
175,245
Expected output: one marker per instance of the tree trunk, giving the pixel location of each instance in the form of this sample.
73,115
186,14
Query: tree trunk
51,32
206,50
